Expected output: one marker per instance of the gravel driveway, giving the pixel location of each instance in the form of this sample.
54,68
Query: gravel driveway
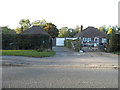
67,69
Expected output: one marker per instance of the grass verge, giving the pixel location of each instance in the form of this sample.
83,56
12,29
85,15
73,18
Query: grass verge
30,53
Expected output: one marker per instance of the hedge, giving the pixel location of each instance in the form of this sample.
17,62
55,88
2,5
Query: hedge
76,44
25,41
114,43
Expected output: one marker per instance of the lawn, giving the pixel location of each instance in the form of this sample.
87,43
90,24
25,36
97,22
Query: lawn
31,53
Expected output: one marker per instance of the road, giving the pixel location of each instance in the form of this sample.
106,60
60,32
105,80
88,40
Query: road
67,69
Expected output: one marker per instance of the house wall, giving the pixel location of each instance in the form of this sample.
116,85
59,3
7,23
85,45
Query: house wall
92,41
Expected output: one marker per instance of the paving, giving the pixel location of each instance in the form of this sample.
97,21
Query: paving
67,69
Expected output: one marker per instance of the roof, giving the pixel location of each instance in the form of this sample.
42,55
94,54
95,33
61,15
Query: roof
35,30
91,32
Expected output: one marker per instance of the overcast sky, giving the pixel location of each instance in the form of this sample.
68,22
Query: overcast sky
62,13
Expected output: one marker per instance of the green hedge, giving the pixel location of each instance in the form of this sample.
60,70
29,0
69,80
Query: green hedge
114,43
9,41
68,44
25,41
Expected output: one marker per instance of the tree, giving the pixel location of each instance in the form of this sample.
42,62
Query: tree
114,43
63,32
102,28
18,30
25,22
39,23
77,29
24,25
7,30
51,29
68,32
110,30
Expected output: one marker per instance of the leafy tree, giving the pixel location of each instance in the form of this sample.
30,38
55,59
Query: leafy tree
77,29
114,43
18,30
39,23
7,30
63,32
69,32
51,29
25,24
102,28
110,30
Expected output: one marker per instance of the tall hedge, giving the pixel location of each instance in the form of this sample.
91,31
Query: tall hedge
25,41
114,43
9,41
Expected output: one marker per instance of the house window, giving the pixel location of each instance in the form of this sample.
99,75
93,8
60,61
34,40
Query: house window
89,40
96,40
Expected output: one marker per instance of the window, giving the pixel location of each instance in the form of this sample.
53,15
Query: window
104,40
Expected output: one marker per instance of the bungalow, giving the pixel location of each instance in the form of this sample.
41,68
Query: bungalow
36,37
91,36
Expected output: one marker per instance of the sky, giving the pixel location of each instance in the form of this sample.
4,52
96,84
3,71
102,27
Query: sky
62,13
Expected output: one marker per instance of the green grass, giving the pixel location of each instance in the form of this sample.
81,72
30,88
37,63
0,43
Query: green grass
118,52
31,53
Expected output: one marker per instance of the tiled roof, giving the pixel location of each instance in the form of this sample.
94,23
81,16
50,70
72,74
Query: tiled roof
91,32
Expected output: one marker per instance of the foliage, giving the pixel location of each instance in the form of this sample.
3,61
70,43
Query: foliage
39,23
68,32
27,41
109,30
103,29
67,43
18,30
8,37
114,43
51,29
9,41
63,32
31,53
24,25
73,44
7,30
117,52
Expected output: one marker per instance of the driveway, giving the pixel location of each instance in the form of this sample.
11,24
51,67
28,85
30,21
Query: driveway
67,69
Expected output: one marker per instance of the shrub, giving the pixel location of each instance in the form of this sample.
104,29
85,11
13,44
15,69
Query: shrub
114,43
9,41
73,44
25,41
67,43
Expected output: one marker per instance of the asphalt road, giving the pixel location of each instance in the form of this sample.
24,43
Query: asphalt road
67,69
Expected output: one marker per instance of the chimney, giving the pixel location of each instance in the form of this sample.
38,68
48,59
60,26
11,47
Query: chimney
81,28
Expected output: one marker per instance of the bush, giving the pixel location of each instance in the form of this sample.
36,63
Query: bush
73,44
114,43
67,43
9,41
25,41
